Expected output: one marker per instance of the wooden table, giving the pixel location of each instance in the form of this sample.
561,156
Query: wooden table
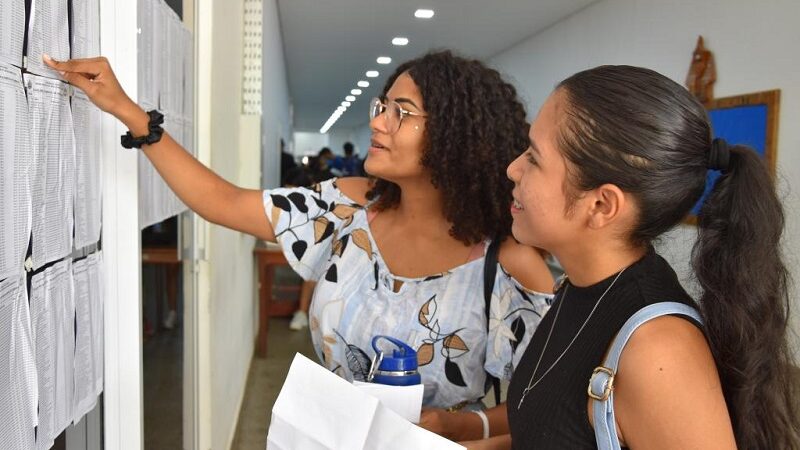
168,258
267,258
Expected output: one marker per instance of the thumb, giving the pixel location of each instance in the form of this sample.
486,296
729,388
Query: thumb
79,81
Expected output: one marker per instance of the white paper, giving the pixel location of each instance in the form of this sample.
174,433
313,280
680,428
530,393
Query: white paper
148,85
85,397
188,76
86,119
161,13
15,160
12,31
316,409
406,401
18,389
48,33
95,262
85,28
53,171
52,317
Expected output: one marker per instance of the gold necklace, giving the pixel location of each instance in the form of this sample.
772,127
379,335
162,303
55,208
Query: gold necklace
531,383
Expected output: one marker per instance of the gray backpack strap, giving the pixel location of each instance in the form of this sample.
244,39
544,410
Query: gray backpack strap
601,385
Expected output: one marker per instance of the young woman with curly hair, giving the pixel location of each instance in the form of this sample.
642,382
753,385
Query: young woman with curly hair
403,252
618,156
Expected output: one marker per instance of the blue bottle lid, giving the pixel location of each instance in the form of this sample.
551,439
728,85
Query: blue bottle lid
403,358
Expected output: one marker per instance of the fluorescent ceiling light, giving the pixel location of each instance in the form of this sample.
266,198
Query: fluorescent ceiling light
423,13
363,83
345,104
400,41
384,60
372,73
350,98
355,91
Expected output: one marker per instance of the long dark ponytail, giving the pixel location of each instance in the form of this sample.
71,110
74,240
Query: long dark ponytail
737,260
637,129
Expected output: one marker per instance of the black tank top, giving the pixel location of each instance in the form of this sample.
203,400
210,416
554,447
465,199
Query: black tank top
554,413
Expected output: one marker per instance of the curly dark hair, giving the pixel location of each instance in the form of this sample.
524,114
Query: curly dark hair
475,127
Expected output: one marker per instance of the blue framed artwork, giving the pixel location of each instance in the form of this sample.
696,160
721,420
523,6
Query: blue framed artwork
750,119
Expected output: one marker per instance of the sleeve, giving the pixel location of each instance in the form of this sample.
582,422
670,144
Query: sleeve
306,221
514,314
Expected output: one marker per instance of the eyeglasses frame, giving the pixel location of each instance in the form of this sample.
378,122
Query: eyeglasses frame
403,112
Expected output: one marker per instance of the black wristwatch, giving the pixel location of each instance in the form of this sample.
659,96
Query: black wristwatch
155,131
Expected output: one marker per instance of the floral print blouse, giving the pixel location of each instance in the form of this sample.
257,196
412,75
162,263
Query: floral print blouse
326,238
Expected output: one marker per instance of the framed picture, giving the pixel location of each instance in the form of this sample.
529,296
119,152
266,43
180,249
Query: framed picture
750,119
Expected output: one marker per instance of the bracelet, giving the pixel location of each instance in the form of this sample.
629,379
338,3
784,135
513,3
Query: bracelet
155,131
485,421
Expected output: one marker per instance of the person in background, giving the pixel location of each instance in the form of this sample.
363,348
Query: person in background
319,167
287,163
349,165
618,156
402,253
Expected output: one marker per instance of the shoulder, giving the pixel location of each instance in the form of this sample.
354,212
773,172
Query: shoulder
526,265
355,188
667,380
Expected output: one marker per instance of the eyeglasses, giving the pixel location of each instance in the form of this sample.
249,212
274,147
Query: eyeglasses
394,113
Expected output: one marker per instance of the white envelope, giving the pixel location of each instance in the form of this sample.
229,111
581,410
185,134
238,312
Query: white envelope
318,410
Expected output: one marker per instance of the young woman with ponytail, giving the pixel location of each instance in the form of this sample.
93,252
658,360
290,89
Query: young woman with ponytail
618,156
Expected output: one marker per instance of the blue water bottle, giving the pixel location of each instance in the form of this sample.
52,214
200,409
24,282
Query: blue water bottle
397,369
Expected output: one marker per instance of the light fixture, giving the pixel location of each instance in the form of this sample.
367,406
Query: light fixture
400,41
384,60
305,160
363,83
355,91
423,13
372,73
350,98
345,104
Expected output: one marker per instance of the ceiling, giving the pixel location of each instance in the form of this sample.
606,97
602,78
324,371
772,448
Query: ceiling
330,44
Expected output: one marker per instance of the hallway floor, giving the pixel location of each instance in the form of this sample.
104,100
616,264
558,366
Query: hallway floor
265,380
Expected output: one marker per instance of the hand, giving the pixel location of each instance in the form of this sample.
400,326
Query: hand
438,421
95,77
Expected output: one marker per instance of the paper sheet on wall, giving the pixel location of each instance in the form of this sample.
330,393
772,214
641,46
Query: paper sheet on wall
53,170
85,397
53,319
86,118
148,52
12,31
15,161
161,13
48,33
188,75
18,388
85,28
95,262
318,410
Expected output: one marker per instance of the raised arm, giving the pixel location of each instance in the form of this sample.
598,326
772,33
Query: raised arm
205,192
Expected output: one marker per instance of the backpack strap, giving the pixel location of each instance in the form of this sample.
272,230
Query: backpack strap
601,384
489,273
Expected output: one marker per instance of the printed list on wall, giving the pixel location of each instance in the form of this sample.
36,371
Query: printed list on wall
51,295
166,83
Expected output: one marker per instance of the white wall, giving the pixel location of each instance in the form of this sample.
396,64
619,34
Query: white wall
753,43
309,143
233,141
276,104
